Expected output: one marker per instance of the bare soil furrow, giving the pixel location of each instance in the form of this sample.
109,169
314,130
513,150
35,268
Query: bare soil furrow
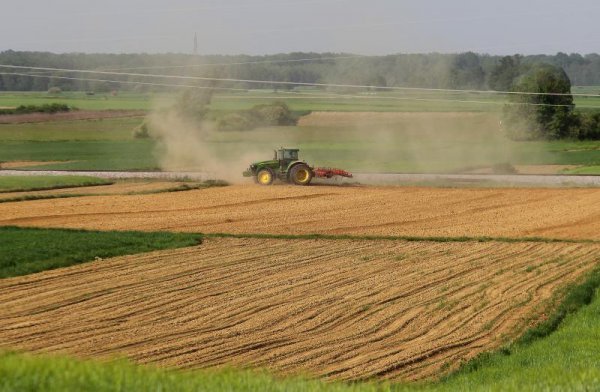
344,309
560,213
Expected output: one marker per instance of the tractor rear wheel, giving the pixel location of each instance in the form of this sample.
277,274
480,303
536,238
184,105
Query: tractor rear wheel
265,176
301,174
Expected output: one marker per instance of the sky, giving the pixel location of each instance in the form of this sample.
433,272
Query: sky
256,27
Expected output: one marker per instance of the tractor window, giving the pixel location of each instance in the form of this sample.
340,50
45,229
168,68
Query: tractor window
290,154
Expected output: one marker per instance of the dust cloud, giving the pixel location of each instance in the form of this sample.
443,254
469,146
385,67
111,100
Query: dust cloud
420,142
186,146
360,142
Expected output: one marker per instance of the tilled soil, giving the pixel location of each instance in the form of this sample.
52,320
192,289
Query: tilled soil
69,116
408,211
342,309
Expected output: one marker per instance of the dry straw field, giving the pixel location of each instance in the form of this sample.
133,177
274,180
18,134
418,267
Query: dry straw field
347,309
555,213
341,309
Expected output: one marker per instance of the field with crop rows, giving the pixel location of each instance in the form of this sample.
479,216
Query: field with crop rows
391,211
120,188
347,309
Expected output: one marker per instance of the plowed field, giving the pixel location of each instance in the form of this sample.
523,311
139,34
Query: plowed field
559,213
339,309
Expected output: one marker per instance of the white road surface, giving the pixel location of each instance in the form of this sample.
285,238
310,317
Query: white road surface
362,178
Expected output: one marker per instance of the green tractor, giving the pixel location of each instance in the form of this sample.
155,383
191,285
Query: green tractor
286,167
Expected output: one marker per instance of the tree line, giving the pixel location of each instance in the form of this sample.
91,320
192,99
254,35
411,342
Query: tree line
457,71
530,116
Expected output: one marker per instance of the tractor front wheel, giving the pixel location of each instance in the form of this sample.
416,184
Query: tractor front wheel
301,174
265,176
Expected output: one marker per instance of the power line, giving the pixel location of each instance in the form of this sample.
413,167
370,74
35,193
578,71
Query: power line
121,81
306,84
308,59
39,76
306,95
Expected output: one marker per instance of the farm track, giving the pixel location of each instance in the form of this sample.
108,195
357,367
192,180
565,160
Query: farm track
391,211
344,309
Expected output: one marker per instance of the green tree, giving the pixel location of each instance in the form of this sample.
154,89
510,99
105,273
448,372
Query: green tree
466,72
545,113
503,75
588,124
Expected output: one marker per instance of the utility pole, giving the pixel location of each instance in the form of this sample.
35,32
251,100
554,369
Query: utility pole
195,43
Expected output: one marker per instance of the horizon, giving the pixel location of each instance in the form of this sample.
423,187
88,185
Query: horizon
334,54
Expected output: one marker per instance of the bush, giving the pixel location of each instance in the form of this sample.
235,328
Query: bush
276,114
193,104
141,131
587,126
46,108
54,90
237,122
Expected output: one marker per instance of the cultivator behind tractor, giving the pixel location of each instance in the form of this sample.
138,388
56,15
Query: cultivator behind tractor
286,167
328,172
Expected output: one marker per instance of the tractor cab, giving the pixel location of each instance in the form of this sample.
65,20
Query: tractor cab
285,156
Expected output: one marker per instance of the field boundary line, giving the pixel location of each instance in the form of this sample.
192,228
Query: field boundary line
56,187
333,237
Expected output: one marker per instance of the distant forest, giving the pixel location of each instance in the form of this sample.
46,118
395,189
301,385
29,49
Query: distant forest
457,71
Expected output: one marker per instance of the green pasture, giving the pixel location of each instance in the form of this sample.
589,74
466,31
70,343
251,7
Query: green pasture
586,170
27,250
100,101
108,129
298,100
429,142
84,155
359,102
432,146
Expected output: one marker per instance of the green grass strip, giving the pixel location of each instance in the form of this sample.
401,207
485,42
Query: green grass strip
400,238
29,250
48,373
184,187
40,197
44,183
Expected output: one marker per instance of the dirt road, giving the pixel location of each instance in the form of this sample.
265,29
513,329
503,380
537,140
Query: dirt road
360,178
